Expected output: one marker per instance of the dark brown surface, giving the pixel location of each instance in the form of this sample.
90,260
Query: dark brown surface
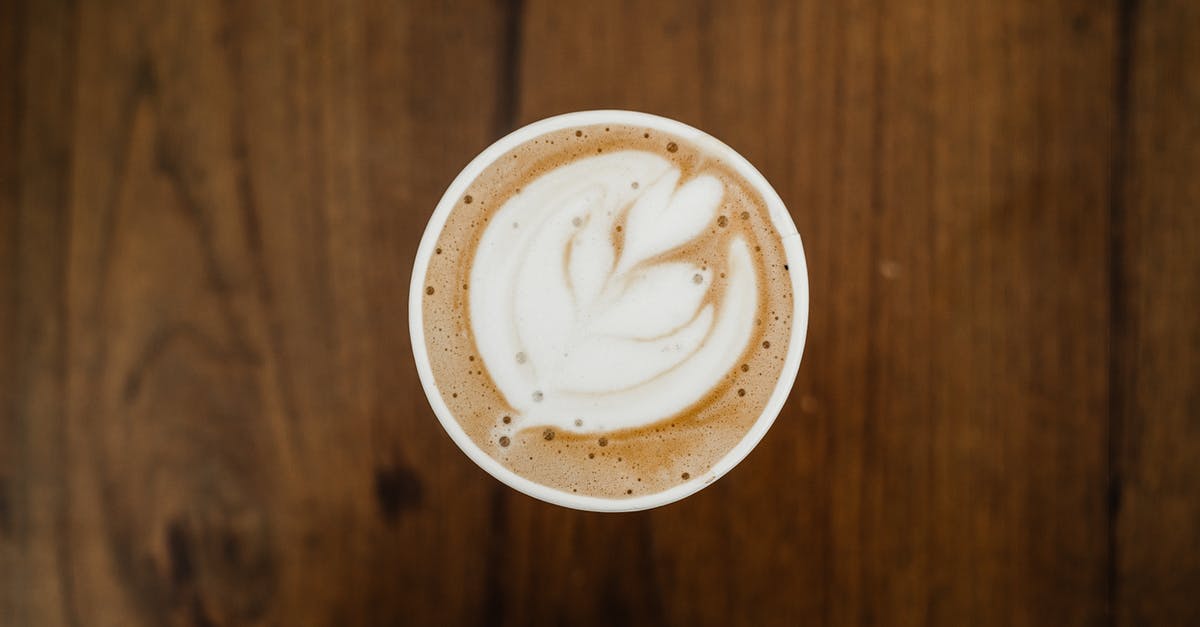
1157,332
208,411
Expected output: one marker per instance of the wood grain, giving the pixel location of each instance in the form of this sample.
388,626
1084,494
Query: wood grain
208,411
220,420
36,505
1157,302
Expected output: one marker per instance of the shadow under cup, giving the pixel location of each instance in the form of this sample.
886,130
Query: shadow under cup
794,254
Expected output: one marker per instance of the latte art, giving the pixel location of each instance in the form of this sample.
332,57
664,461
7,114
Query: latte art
587,328
606,310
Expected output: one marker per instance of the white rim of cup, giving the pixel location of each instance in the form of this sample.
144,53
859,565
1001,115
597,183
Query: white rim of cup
798,271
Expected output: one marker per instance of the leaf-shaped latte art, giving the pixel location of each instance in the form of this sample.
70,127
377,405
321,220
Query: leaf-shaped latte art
585,331
666,217
628,316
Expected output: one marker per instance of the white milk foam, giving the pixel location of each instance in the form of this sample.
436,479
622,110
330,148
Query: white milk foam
585,333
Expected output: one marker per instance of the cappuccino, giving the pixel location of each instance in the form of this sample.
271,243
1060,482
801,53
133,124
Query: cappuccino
607,309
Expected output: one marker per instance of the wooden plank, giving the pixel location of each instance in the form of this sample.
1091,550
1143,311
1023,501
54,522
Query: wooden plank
219,204
943,457
11,23
1157,303
35,585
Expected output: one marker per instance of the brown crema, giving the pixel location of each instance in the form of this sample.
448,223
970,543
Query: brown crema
631,462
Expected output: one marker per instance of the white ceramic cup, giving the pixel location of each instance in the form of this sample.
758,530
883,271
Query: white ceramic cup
798,273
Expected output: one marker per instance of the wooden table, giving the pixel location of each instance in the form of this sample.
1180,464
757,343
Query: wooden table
209,413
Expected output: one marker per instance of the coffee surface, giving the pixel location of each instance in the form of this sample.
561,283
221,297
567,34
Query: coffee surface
607,310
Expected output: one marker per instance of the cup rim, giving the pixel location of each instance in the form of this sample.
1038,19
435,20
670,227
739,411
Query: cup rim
798,272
